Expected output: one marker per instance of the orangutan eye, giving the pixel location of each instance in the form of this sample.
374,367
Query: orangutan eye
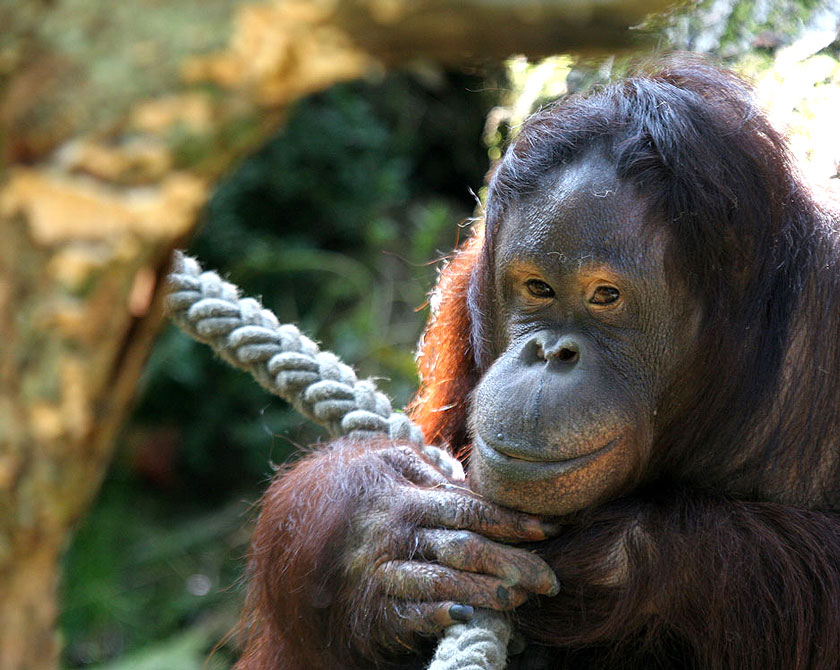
539,289
605,295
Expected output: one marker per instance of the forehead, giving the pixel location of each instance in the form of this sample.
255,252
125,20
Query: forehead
581,213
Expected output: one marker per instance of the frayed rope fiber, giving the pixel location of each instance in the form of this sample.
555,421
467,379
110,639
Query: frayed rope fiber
325,390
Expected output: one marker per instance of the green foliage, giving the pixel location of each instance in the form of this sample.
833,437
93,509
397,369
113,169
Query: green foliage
138,570
185,651
335,224
529,86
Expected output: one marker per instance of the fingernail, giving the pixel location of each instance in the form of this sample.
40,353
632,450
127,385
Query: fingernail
461,612
541,527
516,645
554,587
551,528
503,595
533,527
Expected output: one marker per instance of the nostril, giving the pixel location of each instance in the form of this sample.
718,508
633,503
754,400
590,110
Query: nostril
534,352
566,351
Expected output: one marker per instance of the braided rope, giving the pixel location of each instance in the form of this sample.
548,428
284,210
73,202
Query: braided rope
321,387
479,644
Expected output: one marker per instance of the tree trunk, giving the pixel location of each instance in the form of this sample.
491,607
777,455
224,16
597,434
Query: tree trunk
115,119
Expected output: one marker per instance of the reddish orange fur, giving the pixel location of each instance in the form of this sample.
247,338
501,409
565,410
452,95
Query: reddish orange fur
445,359
294,576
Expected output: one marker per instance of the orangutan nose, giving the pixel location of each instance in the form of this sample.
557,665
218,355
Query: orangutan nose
546,347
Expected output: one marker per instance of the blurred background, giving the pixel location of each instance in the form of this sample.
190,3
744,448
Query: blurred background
323,158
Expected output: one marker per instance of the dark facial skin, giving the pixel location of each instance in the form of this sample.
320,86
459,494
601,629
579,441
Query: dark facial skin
588,331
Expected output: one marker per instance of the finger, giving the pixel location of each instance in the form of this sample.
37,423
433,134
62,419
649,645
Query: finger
431,618
464,550
445,462
459,509
430,582
413,467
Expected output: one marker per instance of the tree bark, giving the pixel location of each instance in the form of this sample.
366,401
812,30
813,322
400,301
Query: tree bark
115,120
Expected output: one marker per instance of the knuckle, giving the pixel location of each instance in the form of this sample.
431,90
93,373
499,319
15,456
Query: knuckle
427,578
438,617
405,452
460,539
518,597
393,457
509,597
449,510
408,617
395,582
474,511
425,618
